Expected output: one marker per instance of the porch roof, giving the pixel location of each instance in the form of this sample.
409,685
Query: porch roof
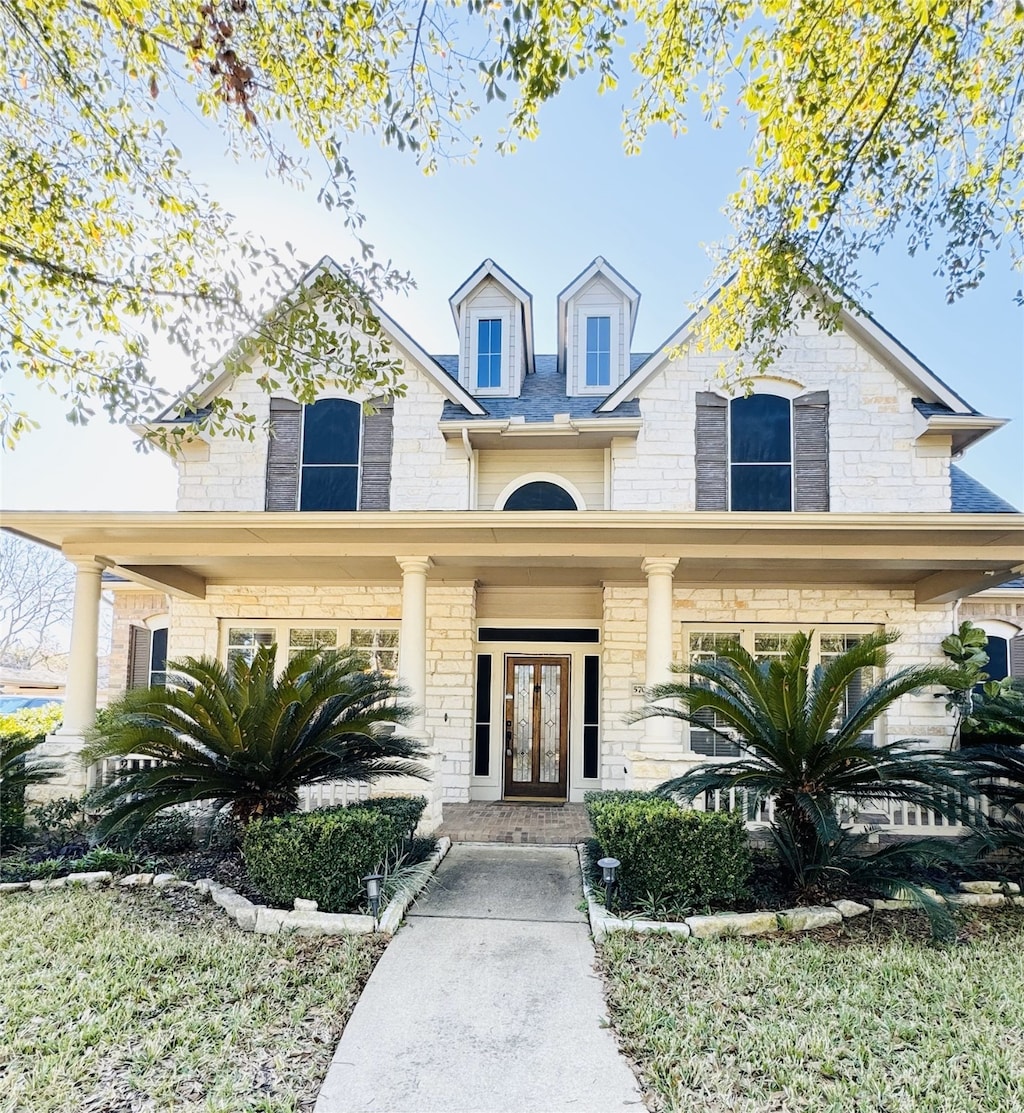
941,556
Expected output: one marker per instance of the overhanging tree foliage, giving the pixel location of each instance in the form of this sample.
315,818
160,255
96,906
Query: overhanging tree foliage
871,120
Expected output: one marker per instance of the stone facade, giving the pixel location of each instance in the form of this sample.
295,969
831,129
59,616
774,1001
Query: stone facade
132,607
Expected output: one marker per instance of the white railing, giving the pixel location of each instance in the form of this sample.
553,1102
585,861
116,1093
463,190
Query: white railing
331,794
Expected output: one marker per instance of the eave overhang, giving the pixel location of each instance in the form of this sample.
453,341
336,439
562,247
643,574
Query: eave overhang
963,430
513,433
940,557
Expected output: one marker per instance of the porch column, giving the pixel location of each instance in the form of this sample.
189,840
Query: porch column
659,733
412,642
80,697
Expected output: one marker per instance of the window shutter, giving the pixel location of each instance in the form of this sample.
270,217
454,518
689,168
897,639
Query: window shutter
712,449
810,451
140,642
283,455
375,476
1016,657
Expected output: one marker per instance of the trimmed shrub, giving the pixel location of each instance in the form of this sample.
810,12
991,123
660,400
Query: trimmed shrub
321,855
406,810
683,860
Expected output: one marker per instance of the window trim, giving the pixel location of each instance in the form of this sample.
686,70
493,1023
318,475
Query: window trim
597,352
747,632
791,464
475,317
567,485
1007,630
578,360
302,466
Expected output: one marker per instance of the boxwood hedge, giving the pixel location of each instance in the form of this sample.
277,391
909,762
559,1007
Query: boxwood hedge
671,857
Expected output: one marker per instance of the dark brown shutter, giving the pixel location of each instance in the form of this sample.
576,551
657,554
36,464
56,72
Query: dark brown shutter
712,448
140,642
810,451
375,476
283,455
1015,657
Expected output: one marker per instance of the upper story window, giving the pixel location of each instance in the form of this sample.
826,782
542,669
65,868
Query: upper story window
488,353
330,455
760,453
540,495
599,351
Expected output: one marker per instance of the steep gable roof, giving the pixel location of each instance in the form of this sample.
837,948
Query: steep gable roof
931,393
451,388
490,269
599,266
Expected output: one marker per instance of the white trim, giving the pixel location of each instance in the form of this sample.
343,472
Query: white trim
505,384
490,269
540,477
577,358
999,627
598,267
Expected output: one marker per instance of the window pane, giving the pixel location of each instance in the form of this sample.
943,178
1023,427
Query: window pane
831,646
759,429
770,645
998,666
598,351
303,638
488,353
540,496
158,658
761,487
330,432
705,644
243,640
380,646
329,488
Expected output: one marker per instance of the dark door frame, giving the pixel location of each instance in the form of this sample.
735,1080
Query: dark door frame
536,788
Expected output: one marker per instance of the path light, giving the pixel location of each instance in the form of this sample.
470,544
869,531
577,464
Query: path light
372,882
608,868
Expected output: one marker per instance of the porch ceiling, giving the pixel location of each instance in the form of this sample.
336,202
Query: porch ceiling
942,556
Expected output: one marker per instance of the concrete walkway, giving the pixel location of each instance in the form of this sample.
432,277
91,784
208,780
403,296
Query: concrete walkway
486,1001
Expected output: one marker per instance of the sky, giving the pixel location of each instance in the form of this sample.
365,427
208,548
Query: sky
543,214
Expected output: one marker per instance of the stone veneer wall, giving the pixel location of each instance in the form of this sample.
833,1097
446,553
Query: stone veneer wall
426,474
875,463
626,759
131,608
451,616
979,608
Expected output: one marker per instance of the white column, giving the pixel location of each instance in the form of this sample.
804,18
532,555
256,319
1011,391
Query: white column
412,641
80,698
659,570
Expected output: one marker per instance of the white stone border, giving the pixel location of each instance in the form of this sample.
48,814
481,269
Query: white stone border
973,894
304,919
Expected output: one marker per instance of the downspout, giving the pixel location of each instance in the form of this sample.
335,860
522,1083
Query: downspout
471,457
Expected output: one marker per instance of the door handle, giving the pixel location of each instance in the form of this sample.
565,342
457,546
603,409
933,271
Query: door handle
508,737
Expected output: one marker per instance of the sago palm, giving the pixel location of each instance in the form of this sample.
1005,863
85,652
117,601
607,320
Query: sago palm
806,745
248,738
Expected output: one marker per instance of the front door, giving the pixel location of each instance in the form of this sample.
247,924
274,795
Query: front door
536,726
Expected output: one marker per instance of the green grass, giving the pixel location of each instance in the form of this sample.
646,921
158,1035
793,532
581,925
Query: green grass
877,1022
114,1001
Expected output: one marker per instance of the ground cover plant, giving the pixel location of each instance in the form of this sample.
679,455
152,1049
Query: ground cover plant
115,1001
872,1018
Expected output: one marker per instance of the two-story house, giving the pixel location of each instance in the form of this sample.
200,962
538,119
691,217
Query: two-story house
528,540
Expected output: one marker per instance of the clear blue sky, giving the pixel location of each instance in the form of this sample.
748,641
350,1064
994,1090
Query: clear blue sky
543,214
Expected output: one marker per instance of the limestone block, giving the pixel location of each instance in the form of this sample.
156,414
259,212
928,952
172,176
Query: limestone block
977,900
1011,887
301,905
136,880
325,923
101,877
732,923
164,880
13,886
269,920
37,886
890,905
245,914
1018,901
205,886
809,919
848,909
981,887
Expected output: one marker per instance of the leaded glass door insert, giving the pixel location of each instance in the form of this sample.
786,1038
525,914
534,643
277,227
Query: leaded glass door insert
536,726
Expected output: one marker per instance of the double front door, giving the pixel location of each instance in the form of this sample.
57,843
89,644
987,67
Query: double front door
536,726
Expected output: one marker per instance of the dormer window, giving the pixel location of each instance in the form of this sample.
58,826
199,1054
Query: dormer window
488,354
599,351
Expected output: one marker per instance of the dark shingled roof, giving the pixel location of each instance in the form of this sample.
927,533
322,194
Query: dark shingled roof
927,409
543,396
971,497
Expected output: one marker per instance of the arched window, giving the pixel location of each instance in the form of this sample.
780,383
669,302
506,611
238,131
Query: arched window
330,455
540,495
760,453
147,653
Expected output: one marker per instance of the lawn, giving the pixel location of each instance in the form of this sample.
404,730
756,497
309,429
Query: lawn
869,1020
116,1001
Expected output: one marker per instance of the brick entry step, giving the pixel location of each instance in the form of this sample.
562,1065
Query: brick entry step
540,824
